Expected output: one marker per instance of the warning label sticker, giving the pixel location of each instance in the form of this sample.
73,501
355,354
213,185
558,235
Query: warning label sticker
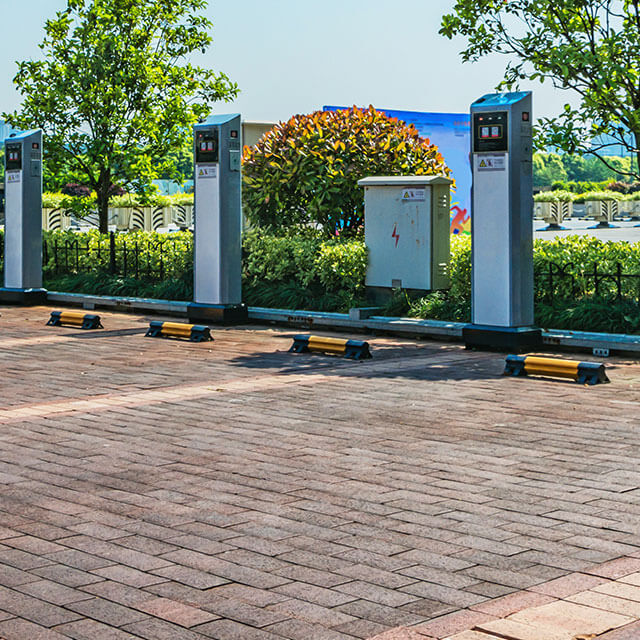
491,162
14,176
413,194
209,171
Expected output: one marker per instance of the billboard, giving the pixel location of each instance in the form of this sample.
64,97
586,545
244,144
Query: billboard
451,132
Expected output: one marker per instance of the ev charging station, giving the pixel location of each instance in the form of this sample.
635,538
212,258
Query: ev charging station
502,223
23,219
217,262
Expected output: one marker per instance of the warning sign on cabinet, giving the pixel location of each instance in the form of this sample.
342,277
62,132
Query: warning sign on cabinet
207,171
413,194
493,162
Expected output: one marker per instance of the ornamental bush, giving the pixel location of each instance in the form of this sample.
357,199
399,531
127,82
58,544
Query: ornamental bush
306,171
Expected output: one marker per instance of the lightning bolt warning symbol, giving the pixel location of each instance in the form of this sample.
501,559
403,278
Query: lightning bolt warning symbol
395,234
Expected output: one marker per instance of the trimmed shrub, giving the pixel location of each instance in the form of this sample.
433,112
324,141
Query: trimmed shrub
305,172
554,196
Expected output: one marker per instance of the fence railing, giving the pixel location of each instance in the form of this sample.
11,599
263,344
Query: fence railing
569,282
153,260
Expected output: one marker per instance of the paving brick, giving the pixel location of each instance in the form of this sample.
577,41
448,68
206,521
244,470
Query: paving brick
619,590
65,575
572,618
474,635
450,624
628,632
362,628
130,576
191,474
299,630
188,576
607,603
251,595
153,629
514,630
456,597
34,609
92,630
224,569
17,629
616,568
10,576
381,595
176,612
380,613
230,630
312,613
53,592
104,611
317,595
401,633
568,585
505,606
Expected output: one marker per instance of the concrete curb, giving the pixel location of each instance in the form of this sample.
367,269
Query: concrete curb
451,331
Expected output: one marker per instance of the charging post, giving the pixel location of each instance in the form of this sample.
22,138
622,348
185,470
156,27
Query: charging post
217,267
502,224
23,220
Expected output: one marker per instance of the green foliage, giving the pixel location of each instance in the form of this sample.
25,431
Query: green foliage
309,272
597,195
572,303
547,168
342,265
594,314
454,304
580,187
72,203
102,284
303,271
305,171
589,48
554,196
293,272
92,253
584,173
114,92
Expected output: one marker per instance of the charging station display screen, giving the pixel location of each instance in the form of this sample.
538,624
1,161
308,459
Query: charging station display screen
490,131
207,146
13,156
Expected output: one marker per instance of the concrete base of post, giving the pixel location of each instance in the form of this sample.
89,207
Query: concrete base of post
217,313
23,297
512,339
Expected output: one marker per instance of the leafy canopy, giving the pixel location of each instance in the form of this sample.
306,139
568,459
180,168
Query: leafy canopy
306,171
115,91
590,47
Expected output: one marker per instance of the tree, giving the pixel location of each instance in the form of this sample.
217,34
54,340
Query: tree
590,47
547,169
115,90
306,171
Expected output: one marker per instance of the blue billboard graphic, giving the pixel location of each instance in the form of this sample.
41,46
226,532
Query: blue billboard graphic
451,133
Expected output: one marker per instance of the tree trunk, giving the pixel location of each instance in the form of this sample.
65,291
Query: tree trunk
102,198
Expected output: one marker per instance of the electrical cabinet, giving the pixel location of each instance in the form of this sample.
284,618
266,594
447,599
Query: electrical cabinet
406,225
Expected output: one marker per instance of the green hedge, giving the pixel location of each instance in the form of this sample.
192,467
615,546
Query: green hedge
297,272
306,271
572,303
60,200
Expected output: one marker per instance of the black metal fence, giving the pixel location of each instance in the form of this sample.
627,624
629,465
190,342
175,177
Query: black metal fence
554,281
152,260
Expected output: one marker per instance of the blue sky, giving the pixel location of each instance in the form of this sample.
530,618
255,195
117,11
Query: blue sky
293,56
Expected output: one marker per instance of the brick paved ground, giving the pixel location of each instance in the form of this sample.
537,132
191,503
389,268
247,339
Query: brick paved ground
161,489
